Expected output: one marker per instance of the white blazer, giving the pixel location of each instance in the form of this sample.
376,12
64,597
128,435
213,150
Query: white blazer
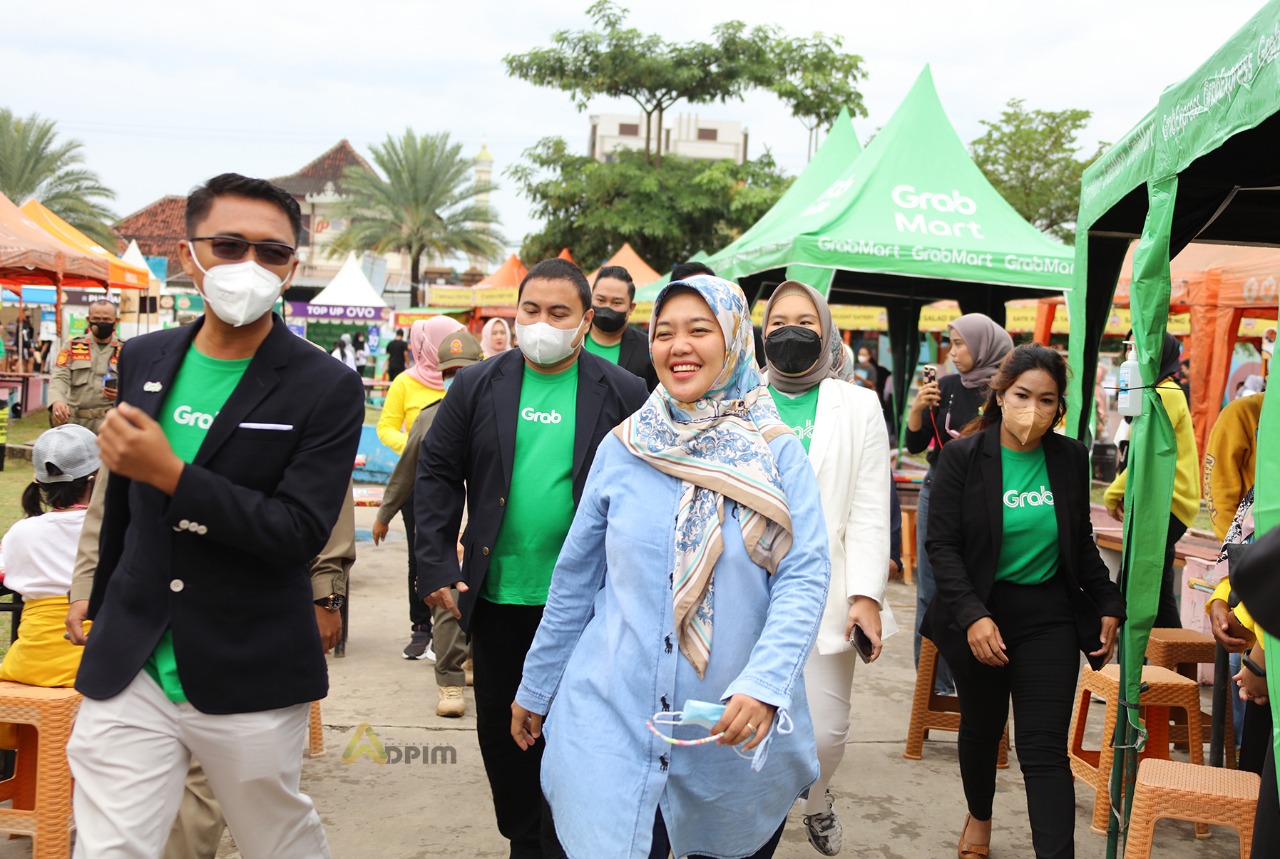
849,453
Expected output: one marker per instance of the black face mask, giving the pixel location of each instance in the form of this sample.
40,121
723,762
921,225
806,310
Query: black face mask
792,349
608,320
102,330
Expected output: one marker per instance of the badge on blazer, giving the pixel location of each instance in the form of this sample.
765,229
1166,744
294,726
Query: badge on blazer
152,387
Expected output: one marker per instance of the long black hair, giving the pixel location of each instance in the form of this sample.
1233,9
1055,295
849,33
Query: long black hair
55,495
1024,358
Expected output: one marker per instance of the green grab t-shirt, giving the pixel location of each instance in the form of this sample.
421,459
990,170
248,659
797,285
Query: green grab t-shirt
199,391
799,413
540,504
609,353
1029,553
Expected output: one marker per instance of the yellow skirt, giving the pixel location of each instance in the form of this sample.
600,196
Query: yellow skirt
40,656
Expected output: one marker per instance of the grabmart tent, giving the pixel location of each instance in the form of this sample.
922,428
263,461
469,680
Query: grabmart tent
910,221
1200,166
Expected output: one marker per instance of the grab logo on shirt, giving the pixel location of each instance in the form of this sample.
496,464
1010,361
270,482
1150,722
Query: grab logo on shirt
1015,499
552,417
185,416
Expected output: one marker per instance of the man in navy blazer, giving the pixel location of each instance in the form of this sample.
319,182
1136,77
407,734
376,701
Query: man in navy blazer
513,441
230,456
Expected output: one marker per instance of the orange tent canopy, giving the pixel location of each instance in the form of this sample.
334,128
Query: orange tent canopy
640,271
120,274
509,274
1217,285
29,255
565,255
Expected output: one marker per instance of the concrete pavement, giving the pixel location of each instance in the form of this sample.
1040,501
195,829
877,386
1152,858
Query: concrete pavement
890,807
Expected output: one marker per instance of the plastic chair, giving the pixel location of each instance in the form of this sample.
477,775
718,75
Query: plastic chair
1165,689
931,712
1206,795
315,738
41,788
1182,650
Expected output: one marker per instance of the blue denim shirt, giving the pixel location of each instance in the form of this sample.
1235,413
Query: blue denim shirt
606,658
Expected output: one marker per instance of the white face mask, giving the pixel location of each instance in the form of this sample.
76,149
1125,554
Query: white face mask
239,293
543,343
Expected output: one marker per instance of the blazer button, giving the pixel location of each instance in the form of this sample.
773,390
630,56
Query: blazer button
193,526
502,502
485,550
202,530
184,524
177,585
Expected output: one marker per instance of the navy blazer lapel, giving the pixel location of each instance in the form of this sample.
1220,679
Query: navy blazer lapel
993,485
505,390
590,409
259,379
149,392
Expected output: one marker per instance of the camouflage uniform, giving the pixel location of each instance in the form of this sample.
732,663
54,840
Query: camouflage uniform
77,379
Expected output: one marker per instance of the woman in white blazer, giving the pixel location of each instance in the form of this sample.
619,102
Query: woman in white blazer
842,428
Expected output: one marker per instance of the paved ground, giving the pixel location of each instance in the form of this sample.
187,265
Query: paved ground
892,808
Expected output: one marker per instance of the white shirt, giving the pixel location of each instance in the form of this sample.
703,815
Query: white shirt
39,554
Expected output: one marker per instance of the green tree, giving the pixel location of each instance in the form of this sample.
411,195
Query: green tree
425,206
621,62
815,78
1030,156
34,163
666,215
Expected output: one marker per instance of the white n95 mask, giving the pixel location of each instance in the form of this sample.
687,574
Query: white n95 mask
239,293
543,343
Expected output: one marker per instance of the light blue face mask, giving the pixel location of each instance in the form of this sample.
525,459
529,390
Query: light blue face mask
448,383
707,715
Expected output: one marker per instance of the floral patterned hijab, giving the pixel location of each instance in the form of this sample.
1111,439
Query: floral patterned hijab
717,447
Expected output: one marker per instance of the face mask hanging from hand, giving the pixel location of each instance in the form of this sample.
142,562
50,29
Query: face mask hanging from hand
239,293
792,349
543,343
1026,423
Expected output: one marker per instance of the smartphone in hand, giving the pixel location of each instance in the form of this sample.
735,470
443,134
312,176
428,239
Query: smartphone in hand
862,643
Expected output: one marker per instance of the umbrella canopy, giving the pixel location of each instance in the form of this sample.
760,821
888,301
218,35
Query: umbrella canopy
120,274
350,287
28,254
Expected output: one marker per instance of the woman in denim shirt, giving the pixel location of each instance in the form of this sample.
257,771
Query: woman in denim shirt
695,571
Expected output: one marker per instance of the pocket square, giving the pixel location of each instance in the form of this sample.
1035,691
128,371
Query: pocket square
279,427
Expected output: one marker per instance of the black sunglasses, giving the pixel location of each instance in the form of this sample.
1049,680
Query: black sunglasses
232,248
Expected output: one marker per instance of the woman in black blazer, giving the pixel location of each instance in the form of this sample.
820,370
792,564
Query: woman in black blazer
1021,589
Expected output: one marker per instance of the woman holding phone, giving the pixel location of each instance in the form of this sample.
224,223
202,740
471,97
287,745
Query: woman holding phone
842,429
692,580
1021,590
941,409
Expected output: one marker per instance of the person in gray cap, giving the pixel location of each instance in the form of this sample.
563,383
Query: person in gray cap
456,352
38,555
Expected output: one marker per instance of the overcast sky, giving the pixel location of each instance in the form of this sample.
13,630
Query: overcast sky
164,95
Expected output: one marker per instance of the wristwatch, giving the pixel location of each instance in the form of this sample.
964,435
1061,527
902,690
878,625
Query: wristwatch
332,602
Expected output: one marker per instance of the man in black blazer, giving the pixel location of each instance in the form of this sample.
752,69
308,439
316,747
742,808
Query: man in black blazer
513,440
613,300
230,455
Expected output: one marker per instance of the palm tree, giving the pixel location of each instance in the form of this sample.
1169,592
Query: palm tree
34,163
426,206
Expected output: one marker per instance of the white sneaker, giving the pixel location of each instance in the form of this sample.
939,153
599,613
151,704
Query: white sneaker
824,830
430,654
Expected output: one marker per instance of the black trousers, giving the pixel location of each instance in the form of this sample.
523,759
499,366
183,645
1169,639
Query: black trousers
419,612
1039,633
500,639
1255,740
1167,614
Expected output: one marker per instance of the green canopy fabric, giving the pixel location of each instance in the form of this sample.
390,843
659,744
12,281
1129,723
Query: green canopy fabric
913,203
1200,166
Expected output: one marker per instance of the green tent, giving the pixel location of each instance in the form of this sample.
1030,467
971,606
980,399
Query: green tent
910,221
1200,166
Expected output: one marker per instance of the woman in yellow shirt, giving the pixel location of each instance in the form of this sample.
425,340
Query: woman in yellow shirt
1186,485
419,386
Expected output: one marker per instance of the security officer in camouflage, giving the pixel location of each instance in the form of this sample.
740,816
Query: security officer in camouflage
76,391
